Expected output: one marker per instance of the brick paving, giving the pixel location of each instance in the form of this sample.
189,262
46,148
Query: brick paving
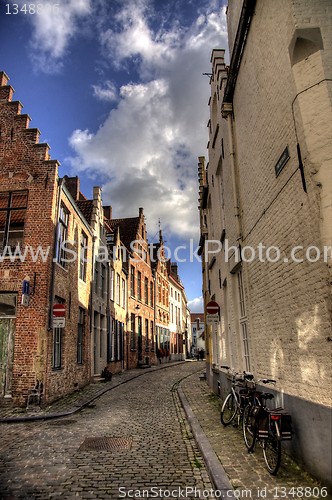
246,471
44,459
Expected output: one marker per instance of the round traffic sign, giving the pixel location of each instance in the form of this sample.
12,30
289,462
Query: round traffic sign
59,310
212,307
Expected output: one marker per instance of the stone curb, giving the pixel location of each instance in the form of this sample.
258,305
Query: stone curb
217,473
77,408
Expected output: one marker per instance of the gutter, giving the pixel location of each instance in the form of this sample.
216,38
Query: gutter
238,49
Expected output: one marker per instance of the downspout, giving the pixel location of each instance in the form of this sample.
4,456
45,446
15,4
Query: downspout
52,283
233,161
92,340
227,105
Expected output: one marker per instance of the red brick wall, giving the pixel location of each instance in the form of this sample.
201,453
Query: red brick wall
25,165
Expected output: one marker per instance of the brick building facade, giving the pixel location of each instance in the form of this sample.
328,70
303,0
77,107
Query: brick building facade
267,190
61,251
38,214
141,309
162,299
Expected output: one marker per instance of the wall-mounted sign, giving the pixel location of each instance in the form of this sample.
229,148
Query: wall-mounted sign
212,319
282,161
58,322
25,292
59,313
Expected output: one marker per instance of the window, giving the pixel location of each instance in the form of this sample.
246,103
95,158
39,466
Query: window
117,293
146,334
112,285
132,332
62,236
151,293
103,280
80,335
96,280
152,335
83,255
7,305
139,285
243,321
132,281
57,342
13,206
123,292
146,290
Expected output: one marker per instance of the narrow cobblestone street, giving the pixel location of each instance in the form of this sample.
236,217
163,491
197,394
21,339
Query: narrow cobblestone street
44,460
135,440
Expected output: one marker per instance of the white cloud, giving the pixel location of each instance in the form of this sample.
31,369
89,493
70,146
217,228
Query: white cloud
106,92
148,146
53,28
196,305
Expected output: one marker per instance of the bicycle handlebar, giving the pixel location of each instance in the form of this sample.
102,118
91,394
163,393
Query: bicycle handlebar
267,381
248,376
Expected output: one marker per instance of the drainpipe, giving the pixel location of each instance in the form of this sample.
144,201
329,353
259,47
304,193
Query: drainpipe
92,369
52,283
233,160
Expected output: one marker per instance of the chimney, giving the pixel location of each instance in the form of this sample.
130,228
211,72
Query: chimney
108,212
3,79
174,268
73,186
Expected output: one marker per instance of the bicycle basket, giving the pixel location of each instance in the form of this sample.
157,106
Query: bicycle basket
284,420
263,423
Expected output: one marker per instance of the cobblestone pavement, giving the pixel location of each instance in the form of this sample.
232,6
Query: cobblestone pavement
154,449
46,459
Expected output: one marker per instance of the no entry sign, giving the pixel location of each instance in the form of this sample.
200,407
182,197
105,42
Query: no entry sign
59,310
212,307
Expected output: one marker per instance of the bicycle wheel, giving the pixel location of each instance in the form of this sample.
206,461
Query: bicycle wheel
272,454
228,410
249,427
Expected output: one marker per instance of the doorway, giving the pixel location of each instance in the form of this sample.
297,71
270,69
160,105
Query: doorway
7,334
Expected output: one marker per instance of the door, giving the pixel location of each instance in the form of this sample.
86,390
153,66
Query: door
7,332
7,329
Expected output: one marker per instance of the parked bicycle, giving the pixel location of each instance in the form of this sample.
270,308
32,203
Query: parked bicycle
237,399
267,426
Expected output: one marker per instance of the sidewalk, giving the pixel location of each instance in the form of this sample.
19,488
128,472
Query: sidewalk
246,472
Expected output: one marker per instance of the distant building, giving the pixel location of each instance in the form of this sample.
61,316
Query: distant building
141,311
118,344
161,282
197,333
177,306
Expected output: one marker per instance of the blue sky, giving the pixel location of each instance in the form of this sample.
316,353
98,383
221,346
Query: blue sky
116,89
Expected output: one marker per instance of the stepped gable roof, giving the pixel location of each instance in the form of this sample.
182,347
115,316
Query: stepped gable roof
86,207
108,227
128,229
